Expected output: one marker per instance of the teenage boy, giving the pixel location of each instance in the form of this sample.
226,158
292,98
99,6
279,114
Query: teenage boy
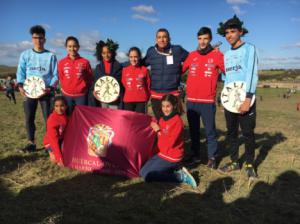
42,63
240,65
204,66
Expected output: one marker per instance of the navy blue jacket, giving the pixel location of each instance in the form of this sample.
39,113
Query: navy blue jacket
165,78
115,71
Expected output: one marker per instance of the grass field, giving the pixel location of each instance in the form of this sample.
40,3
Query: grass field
32,190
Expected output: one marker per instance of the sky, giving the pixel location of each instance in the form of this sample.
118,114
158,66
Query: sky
274,25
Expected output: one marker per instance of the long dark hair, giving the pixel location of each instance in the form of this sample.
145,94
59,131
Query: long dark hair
174,100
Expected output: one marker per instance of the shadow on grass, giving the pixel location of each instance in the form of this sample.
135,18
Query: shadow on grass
91,198
264,144
12,163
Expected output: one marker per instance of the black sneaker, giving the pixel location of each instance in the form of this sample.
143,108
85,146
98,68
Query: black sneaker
29,148
229,167
212,164
250,171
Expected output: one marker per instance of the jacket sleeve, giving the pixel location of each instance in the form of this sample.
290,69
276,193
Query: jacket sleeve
21,71
175,134
89,74
148,80
186,64
221,63
146,59
54,72
184,54
123,79
60,72
96,76
52,136
251,72
118,73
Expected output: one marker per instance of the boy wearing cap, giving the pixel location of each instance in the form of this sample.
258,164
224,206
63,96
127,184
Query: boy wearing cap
240,65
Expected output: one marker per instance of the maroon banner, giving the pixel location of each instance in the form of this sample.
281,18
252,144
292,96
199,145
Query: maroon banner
114,142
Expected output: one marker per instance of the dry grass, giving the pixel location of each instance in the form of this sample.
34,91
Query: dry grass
32,190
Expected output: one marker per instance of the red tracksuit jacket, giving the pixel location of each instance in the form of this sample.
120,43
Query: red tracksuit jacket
136,81
75,76
170,139
56,125
203,75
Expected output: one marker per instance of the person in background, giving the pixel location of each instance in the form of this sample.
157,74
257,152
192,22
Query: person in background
10,89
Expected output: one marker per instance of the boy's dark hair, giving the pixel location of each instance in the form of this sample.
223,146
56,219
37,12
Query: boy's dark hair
60,98
174,101
136,49
110,44
204,30
72,38
163,30
38,29
232,23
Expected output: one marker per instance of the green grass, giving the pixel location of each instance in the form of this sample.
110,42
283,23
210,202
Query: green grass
32,190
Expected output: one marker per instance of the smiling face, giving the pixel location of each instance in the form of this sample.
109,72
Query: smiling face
60,107
162,39
167,108
233,36
203,41
134,58
106,53
38,41
72,48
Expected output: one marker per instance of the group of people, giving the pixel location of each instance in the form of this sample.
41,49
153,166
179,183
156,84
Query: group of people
137,86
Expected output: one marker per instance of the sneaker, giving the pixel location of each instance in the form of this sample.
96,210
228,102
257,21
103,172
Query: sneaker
229,167
187,178
250,171
29,148
212,164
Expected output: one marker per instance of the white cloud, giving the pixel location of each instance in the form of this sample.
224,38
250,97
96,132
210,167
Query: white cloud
46,26
280,62
237,2
291,46
10,52
142,13
121,56
235,5
145,18
237,10
86,40
143,9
